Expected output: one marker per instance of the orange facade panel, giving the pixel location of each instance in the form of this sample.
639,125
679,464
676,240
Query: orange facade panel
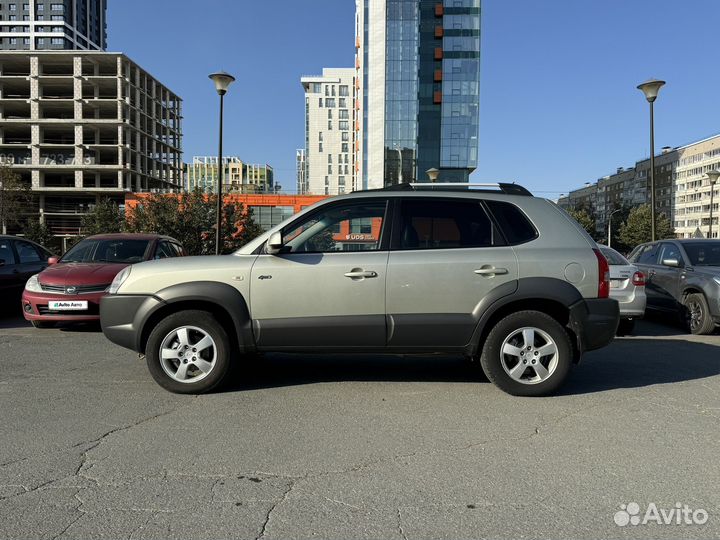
438,53
439,31
438,75
437,96
439,10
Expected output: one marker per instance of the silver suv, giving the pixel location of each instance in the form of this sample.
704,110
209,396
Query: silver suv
495,274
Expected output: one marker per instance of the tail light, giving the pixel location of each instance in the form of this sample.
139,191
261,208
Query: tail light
639,279
603,275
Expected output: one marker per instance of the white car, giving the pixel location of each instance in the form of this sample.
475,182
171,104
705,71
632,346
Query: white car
627,286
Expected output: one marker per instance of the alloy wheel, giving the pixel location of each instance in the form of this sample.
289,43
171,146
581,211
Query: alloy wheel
529,355
188,354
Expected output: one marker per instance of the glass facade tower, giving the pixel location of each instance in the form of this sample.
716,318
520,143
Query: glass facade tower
418,64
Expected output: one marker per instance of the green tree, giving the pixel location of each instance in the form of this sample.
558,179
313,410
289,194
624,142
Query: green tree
106,217
637,229
14,196
41,234
191,219
585,218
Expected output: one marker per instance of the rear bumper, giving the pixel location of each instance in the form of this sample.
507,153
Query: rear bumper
595,322
122,317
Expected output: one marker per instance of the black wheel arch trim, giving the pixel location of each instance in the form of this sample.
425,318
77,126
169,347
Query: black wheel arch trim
223,295
531,288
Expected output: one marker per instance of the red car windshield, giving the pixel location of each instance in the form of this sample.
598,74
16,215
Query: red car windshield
107,251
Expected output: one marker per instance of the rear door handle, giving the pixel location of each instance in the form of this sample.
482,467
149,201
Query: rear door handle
491,271
359,273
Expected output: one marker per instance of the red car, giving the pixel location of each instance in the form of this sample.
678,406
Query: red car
71,287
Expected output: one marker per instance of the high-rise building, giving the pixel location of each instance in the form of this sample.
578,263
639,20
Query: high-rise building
238,176
330,131
53,24
78,126
418,76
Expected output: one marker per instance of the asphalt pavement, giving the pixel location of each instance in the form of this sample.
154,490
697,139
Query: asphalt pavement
303,446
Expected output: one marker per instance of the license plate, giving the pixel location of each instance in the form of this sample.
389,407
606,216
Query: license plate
67,305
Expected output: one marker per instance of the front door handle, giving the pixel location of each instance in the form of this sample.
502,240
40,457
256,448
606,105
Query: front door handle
491,271
359,273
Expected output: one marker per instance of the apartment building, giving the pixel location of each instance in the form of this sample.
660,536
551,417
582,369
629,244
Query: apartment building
682,189
238,176
300,170
330,132
78,126
30,25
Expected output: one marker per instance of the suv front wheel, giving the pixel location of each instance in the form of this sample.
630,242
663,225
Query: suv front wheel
188,352
527,354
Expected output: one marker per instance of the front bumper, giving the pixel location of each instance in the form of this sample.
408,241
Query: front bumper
122,318
595,322
35,306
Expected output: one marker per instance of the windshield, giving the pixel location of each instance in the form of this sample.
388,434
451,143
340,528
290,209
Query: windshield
703,253
613,257
107,251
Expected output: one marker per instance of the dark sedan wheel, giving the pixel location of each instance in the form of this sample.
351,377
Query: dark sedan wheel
188,352
697,314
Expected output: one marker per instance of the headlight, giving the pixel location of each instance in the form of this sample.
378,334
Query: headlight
717,280
33,285
119,280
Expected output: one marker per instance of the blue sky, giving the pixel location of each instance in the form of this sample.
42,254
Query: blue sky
558,104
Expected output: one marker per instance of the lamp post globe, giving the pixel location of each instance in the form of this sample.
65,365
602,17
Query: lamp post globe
651,88
222,81
433,174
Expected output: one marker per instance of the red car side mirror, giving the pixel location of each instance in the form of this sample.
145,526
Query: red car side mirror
52,260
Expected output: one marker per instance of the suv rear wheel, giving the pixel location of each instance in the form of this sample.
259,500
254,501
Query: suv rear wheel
697,311
188,352
527,354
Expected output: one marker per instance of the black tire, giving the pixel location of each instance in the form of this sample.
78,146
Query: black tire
208,324
626,327
492,359
42,324
698,318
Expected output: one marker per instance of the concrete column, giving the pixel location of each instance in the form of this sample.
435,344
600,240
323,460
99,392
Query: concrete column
34,144
77,87
78,179
79,149
35,179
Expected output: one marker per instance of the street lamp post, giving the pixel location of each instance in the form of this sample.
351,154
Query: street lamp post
610,226
432,174
650,89
222,82
713,176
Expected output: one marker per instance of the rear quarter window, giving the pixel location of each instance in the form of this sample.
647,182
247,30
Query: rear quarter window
513,222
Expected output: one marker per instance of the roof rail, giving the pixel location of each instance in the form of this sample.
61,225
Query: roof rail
504,187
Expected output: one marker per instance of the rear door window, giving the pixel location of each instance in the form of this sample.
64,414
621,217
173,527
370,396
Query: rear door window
445,224
6,252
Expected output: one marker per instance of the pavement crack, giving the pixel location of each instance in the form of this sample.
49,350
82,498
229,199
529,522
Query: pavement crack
400,527
264,528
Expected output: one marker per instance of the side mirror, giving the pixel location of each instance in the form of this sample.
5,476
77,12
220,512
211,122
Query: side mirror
274,244
674,263
52,260
2,262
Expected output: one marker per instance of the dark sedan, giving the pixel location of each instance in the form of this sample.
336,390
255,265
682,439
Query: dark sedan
683,277
19,259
